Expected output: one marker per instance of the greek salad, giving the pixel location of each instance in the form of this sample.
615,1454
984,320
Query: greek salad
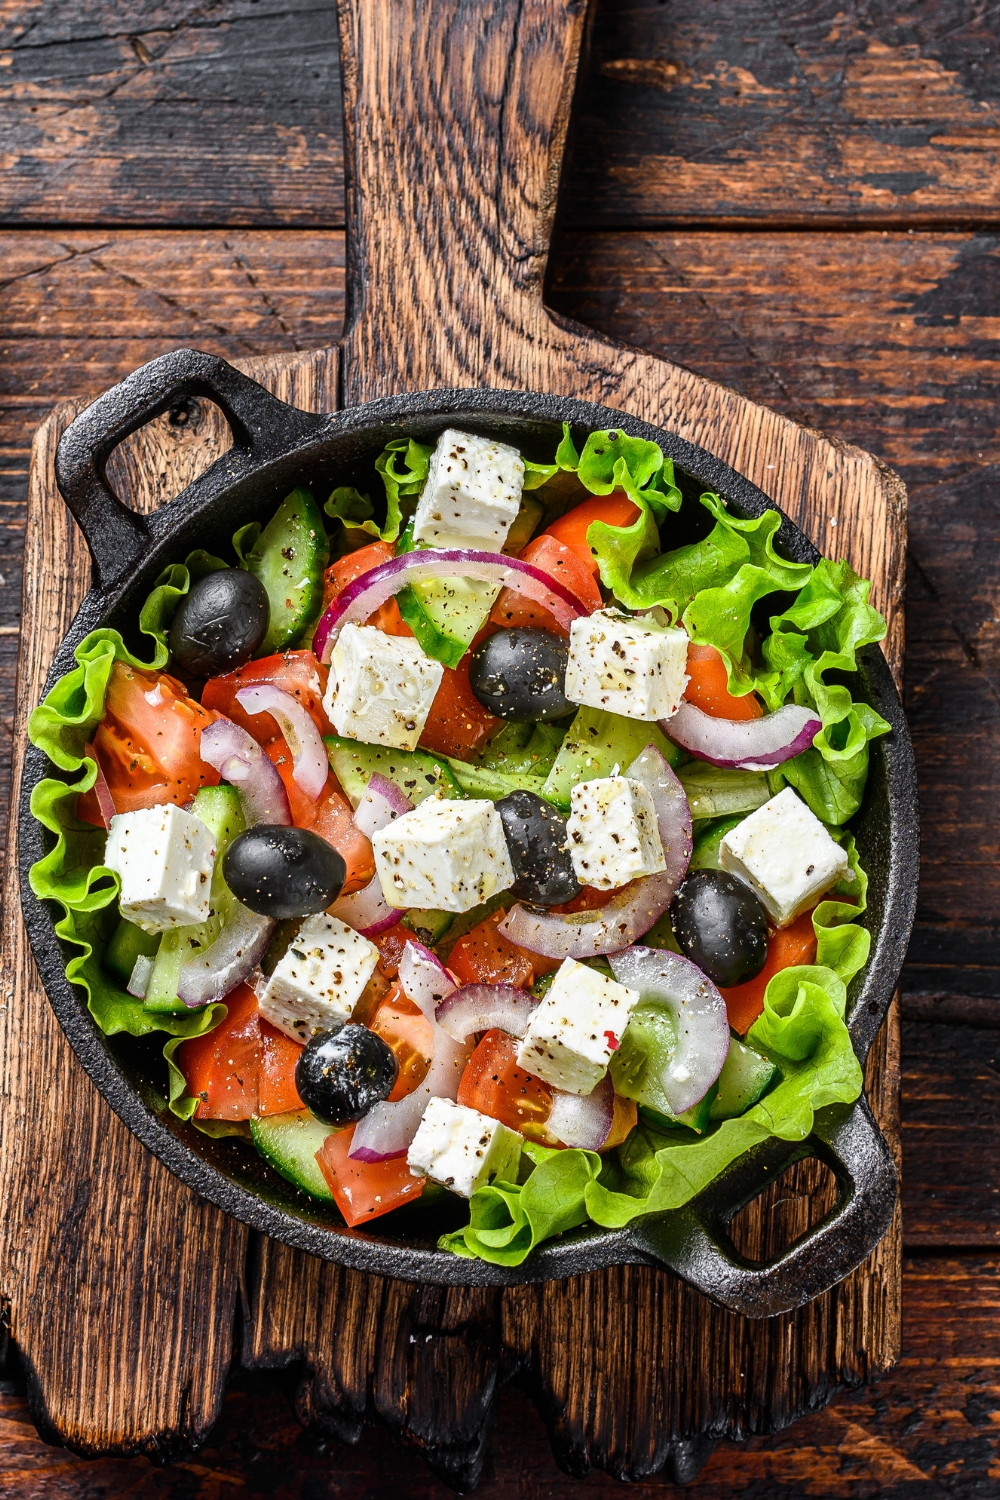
488,838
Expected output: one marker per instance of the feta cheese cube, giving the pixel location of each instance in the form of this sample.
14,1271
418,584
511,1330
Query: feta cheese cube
443,856
319,979
613,833
381,687
575,1028
472,493
462,1148
784,852
629,665
164,858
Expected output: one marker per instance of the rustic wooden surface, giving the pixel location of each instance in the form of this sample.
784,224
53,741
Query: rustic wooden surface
888,339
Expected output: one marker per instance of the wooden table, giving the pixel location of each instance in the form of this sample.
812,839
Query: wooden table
794,202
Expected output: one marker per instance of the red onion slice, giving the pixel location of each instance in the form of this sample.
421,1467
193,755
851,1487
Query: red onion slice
366,910
744,744
485,1007
583,1120
699,1013
105,802
632,911
388,1129
224,964
239,760
310,766
382,804
363,597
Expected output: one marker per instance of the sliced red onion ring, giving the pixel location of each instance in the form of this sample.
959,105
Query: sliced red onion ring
310,766
142,972
366,910
699,1013
363,597
381,805
485,1007
633,910
239,760
744,744
105,802
388,1129
583,1119
224,964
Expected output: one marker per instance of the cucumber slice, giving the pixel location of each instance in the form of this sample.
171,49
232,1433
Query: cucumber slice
524,749
415,772
696,1118
480,781
288,557
596,742
128,943
746,1076
714,792
445,614
289,1143
705,855
219,809
429,927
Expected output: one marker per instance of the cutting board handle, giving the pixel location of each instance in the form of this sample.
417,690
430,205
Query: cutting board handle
455,120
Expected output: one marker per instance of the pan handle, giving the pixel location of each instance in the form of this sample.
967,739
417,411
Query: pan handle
263,427
694,1240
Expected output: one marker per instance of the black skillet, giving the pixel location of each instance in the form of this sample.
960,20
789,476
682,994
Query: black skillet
276,447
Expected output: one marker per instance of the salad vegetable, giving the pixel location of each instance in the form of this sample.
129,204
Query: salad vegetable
506,854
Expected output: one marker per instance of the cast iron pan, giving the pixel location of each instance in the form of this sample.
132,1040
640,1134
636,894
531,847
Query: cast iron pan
276,447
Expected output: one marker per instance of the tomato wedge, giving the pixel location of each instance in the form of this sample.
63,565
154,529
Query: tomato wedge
484,956
148,743
458,724
560,562
496,1086
408,1032
708,687
331,816
344,571
615,509
244,1067
297,673
787,947
365,1190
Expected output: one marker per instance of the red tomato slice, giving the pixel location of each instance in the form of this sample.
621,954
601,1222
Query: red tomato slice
390,946
222,1068
408,1032
571,529
708,687
496,1086
346,569
458,724
276,1091
147,743
561,562
331,817
589,899
365,1190
485,956
787,947
297,673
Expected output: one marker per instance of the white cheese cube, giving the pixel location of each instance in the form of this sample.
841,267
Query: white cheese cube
463,1149
613,833
629,665
164,858
575,1028
472,493
784,852
443,856
381,687
319,979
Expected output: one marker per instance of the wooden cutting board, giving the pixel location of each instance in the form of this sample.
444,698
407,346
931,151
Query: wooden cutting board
124,1294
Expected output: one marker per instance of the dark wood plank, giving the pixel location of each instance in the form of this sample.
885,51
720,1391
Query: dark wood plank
175,112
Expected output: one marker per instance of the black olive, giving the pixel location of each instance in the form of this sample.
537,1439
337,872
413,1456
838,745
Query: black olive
219,624
721,926
539,850
283,872
520,674
342,1074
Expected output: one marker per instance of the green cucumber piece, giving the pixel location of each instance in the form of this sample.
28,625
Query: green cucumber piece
596,742
428,926
715,792
219,809
705,855
696,1118
416,773
289,1143
524,749
128,943
636,1068
288,557
746,1076
480,781
524,525
445,613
